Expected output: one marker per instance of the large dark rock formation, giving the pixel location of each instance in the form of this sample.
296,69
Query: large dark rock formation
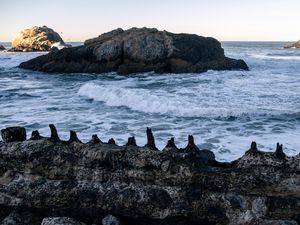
139,50
48,177
36,39
2,48
295,45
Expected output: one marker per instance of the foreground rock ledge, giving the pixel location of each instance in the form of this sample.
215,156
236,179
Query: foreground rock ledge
50,181
139,50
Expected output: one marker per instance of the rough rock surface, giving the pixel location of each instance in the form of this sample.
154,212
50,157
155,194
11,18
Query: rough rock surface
145,186
2,48
295,45
36,39
22,218
111,220
60,221
139,50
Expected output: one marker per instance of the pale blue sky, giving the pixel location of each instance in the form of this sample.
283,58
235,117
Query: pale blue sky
76,20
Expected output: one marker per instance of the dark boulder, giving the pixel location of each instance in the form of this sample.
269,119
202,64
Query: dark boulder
139,50
2,48
12,134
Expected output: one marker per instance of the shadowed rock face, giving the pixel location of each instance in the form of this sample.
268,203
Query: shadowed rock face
36,39
2,48
51,178
295,45
139,50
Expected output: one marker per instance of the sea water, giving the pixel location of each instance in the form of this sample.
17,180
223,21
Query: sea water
224,110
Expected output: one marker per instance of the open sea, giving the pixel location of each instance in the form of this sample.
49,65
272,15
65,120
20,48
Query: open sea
224,110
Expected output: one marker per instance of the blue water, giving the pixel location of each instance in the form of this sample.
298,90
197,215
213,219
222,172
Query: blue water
224,111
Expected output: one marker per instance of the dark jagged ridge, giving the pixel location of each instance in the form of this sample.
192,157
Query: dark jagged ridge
141,185
138,50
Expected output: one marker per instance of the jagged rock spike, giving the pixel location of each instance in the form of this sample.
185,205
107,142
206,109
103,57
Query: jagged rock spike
253,148
279,152
73,137
95,139
150,140
171,143
54,136
131,141
191,144
111,141
35,135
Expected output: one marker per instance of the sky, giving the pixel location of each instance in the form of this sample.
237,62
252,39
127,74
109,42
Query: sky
226,20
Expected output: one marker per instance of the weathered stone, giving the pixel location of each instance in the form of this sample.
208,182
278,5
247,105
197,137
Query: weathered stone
60,221
111,220
36,39
88,181
22,218
12,134
139,50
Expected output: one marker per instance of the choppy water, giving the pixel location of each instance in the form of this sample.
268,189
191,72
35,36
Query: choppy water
225,111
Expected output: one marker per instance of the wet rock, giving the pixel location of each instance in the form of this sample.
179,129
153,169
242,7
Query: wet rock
60,221
22,218
111,220
36,39
139,50
2,48
12,134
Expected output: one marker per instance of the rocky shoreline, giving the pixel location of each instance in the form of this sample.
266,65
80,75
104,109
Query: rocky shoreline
45,180
139,50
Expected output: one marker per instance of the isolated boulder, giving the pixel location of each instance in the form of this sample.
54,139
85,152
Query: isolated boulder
36,39
2,48
139,50
295,45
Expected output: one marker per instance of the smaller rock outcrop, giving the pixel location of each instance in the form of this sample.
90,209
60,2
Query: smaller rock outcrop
36,39
2,48
295,45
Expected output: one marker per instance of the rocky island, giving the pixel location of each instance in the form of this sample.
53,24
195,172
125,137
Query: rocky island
49,181
138,50
36,39
295,45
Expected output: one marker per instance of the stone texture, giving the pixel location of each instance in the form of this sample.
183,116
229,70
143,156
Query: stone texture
139,50
21,218
111,220
142,185
295,45
36,39
60,221
2,48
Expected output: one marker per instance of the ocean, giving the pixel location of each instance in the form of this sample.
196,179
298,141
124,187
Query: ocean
224,110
